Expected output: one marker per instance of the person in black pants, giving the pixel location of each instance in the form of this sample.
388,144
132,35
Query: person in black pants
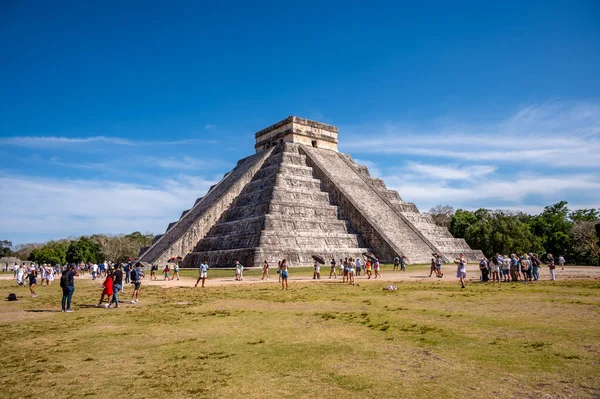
67,283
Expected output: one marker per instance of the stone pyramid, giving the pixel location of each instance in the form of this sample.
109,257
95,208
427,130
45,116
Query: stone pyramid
297,197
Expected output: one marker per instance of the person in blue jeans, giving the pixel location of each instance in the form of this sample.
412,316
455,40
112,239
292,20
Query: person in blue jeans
117,286
67,283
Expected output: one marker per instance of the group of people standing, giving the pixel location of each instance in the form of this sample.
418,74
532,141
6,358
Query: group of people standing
523,268
114,278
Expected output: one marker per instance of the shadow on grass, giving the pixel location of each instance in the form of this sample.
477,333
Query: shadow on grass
43,311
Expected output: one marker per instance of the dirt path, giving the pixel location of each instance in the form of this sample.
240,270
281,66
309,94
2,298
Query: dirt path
421,274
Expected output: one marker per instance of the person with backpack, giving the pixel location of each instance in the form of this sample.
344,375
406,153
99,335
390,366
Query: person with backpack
514,267
67,283
136,275
403,263
396,263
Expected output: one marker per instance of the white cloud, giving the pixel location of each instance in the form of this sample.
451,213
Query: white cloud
59,208
559,134
449,172
209,127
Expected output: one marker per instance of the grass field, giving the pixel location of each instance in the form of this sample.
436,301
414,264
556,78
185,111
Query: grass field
327,340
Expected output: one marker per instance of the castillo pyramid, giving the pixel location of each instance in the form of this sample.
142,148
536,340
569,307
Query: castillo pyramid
298,196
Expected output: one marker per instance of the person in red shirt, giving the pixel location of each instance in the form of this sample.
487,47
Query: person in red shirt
108,289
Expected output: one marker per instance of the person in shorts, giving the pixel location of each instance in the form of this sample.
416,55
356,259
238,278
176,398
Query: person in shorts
461,271
266,271
332,272
284,274
239,271
203,272
317,272
32,276
136,279
376,267
403,261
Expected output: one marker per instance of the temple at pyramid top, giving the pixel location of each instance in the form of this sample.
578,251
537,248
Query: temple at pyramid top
296,197
300,131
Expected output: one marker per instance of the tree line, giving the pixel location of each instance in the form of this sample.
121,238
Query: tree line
95,248
574,234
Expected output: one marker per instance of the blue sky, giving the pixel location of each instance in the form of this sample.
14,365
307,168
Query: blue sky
116,116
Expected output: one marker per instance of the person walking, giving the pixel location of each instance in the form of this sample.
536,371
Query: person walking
317,272
461,271
239,271
176,271
136,275
153,270
376,268
561,262
21,275
403,261
397,264
284,274
358,266
332,272
117,286
432,268
127,271
107,291
368,269
203,273
438,265
265,271
551,267
32,276
166,272
67,283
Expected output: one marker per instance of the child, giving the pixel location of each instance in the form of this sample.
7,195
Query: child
108,289
166,273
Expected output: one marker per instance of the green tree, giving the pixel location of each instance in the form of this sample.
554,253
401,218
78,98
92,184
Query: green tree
553,227
84,250
5,248
53,252
460,222
584,215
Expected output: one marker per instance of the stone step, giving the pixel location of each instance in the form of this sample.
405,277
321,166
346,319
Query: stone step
256,257
292,240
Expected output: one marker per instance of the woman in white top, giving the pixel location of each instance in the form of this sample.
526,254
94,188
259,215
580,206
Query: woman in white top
49,274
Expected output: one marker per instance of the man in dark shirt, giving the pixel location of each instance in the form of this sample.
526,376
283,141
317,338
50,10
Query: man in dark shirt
117,286
67,283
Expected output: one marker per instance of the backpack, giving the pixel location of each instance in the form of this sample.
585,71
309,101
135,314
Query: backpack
12,297
64,279
134,276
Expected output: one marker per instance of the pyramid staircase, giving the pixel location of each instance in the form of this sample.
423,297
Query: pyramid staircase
282,213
